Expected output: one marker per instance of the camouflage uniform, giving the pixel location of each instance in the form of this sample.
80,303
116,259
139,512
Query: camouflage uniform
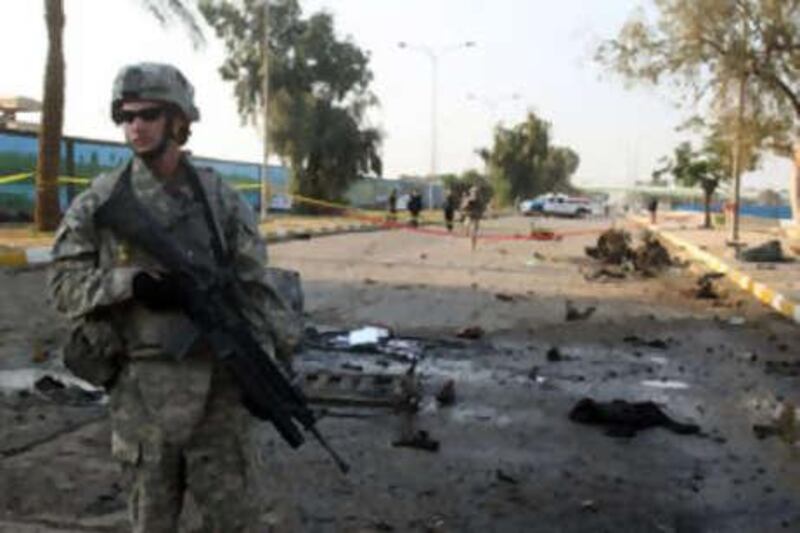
177,422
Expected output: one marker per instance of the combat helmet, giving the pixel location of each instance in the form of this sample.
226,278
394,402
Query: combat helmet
153,81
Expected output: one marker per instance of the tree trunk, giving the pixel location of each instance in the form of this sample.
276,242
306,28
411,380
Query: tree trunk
47,212
707,201
794,189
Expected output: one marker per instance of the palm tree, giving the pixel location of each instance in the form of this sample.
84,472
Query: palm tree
168,10
47,211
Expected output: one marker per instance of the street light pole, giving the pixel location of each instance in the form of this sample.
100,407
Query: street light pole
266,196
433,55
434,112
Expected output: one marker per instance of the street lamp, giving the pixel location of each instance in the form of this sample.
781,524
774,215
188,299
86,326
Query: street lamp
433,55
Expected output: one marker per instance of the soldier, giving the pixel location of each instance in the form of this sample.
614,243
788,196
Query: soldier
392,205
652,207
414,207
177,422
449,209
472,205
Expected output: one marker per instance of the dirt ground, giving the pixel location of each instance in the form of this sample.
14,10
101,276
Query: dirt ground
509,457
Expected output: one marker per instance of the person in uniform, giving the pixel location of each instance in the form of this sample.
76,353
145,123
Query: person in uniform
415,207
176,416
449,209
652,207
392,206
473,206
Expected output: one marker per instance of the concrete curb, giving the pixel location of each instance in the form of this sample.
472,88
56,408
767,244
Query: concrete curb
762,292
19,257
40,255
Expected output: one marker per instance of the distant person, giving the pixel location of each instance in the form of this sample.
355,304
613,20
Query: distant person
472,207
415,207
392,205
652,206
449,209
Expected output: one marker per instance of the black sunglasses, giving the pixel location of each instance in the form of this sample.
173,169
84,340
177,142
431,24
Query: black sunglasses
148,114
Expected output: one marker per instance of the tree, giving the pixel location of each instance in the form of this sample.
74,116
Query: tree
718,51
460,185
769,197
319,91
523,162
47,211
167,11
704,169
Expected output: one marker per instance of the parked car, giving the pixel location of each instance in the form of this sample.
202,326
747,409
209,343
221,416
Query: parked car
531,207
557,204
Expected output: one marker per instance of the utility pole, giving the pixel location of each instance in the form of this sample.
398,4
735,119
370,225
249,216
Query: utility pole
266,193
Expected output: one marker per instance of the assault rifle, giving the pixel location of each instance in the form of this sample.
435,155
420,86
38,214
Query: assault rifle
209,300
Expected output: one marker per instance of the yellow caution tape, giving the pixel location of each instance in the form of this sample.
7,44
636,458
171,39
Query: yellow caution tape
246,186
323,203
14,177
27,175
74,180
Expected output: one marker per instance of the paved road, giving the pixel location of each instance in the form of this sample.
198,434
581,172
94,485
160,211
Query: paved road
510,460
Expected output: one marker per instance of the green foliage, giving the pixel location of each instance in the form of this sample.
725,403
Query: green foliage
166,11
691,168
706,169
770,197
524,163
707,47
318,91
460,185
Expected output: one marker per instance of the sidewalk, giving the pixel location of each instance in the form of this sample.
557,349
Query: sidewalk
20,245
774,284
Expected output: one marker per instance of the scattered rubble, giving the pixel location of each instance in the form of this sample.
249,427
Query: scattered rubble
58,387
367,335
605,272
651,257
504,477
369,339
62,393
769,252
783,368
785,425
420,440
574,313
447,393
705,286
589,505
623,419
614,248
659,344
470,332
554,355
736,321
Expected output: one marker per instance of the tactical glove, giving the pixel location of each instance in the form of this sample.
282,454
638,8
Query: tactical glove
157,293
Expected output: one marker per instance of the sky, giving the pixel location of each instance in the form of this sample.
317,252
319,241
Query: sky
528,55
